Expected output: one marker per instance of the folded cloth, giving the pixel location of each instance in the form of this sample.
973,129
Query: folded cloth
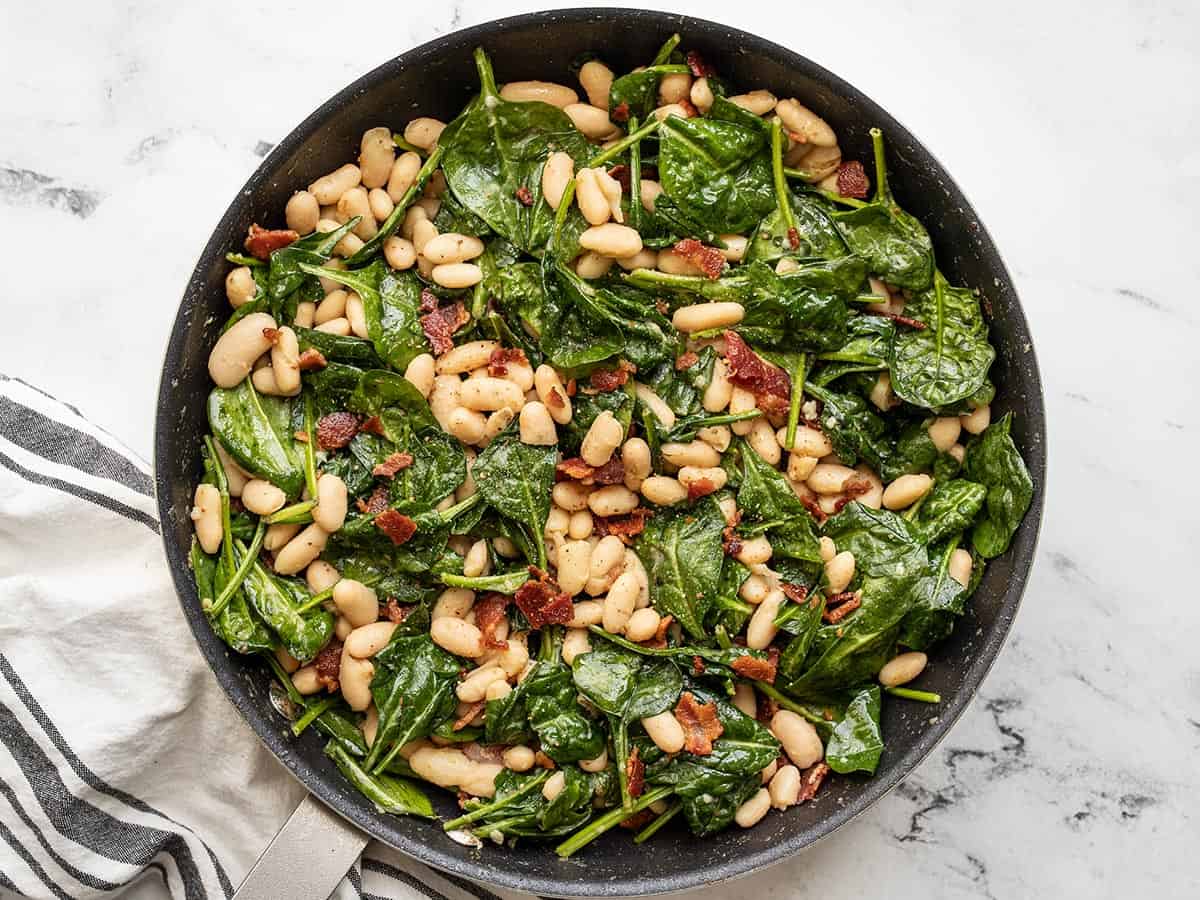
124,771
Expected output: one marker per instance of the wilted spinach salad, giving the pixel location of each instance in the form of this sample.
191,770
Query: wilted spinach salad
605,461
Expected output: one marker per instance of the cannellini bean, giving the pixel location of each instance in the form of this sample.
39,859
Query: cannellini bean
958,452
381,204
728,507
536,425
873,497
306,311
262,498
820,162
581,525
944,432
355,315
666,732
761,629
635,458
367,640
467,425
671,109
443,766
457,275
735,247
620,603
498,690
642,624
839,571
754,551
356,203
466,357
355,676
656,405
754,589
328,189
519,373
574,566
339,326
424,132
702,480
420,373
745,699
403,175
570,495
575,642
285,361
591,199
803,125
707,316
279,535
513,658
605,565
554,786
305,680
785,787
453,602
799,468
551,392
611,240
489,393
752,811
741,401
758,102
302,212
902,669
597,764
540,92
443,398
701,95
519,758
719,390
264,382
602,438
289,663
828,503
648,192
612,500
674,88
556,175
592,121
557,522
234,474
586,613
882,396
332,499
695,453
662,490
457,636
807,441
301,550
829,478
828,548
377,153
477,562
631,564
596,79
474,687
452,247
370,725
332,307
342,628
976,421
906,490
399,253
960,566
321,576
356,602
591,265
800,740
237,349
206,517
762,441
645,259
239,286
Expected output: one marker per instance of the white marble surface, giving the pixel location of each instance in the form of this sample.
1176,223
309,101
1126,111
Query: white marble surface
125,129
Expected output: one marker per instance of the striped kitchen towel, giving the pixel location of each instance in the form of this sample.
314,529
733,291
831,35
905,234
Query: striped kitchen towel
124,771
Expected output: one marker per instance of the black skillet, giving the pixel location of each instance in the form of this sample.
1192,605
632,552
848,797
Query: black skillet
437,79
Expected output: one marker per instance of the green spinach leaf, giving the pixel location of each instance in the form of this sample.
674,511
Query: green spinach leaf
256,431
515,479
994,462
682,553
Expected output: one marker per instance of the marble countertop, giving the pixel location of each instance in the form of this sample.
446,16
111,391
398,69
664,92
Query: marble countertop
126,128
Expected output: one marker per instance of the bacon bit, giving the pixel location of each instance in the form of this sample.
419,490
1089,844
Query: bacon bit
897,318
335,430
855,488
757,669
697,665
605,380
524,196
571,387
261,242
373,425
429,301
827,715
793,238
810,781
398,527
395,612
621,173
662,307
660,634
797,593
612,472
469,716
708,259
770,385
700,724
635,772
311,359
642,817
624,527
329,665
542,602
555,399
686,360
700,68
852,180
689,109
489,613
732,541
393,464
488,753
440,324
814,509
701,487
502,358
376,503
840,605
620,113
543,761
271,334
301,436
573,469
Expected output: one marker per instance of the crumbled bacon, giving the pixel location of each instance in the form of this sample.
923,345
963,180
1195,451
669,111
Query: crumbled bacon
638,820
502,358
660,633
686,360
373,425
840,605
376,503
689,108
571,387
393,464
440,324
852,180
398,527
469,715
575,469
262,242
489,613
697,665
483,753
758,669
524,196
708,259
731,541
770,385
395,612
620,173
271,334
555,399
810,781
604,381
541,760
797,593
429,301
700,724
301,436
793,237
814,508
898,319
542,602
700,487
329,665
620,113
767,707
311,359
855,487
699,66
336,429
635,773
612,472
625,527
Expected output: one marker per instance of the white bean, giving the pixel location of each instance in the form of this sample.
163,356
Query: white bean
608,556
807,441
452,247
354,676
799,468
977,421
707,316
487,393
800,740
719,390
741,401
754,589
556,175
538,92
332,499
666,732
206,517
635,458
457,275
754,551
586,613
591,265
785,787
761,629
305,680
453,602
902,669
674,88
466,357
355,202
301,550
574,566
752,811
701,481
839,572
237,349
457,636
424,132
474,687
701,95
519,758
803,125
662,490
656,405
381,204
536,426
611,240
403,175
554,785
612,500
467,425
695,453
551,392
944,432
758,102
596,79
575,642
829,478
745,699
320,576
557,522
620,603
240,287
591,121
642,624
581,525
356,602
302,212
591,199
367,640
960,567
262,498
328,189
762,441
477,562
602,438
377,152
906,490
420,373
278,536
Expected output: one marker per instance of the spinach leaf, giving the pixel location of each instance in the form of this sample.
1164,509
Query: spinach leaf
438,466
495,148
413,689
276,599
819,237
950,508
255,430
718,173
801,621
852,426
913,452
287,275
391,305
765,497
238,625
947,360
866,348
515,479
994,462
939,600
337,348
378,389
555,716
644,335
638,91
390,794
895,245
856,742
682,553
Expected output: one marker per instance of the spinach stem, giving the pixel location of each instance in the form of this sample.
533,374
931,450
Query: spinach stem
793,418
296,514
665,51
480,812
284,679
239,574
487,830
616,150
883,190
314,600
242,259
782,195
311,714
459,508
399,141
487,77
912,694
659,821
635,180
722,637
310,447
788,703
597,827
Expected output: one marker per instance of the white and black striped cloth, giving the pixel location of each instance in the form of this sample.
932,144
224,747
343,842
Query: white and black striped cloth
124,771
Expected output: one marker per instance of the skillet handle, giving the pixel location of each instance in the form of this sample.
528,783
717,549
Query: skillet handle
309,856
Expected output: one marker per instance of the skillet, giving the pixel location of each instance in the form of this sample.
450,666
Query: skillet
437,79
